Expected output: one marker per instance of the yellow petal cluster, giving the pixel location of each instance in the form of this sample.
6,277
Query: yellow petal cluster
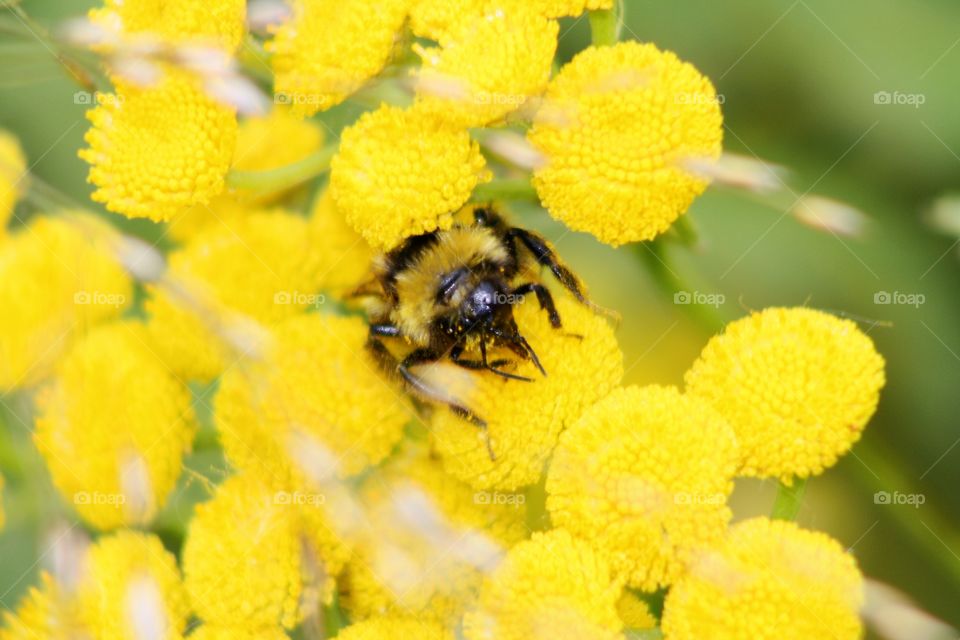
551,586
769,580
617,127
113,427
13,166
263,266
644,475
156,151
393,628
56,281
438,21
131,588
256,558
44,613
427,569
219,22
344,256
525,418
328,50
315,395
239,632
402,172
489,67
797,385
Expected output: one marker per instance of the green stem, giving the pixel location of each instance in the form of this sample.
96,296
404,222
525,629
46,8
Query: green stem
789,499
605,26
283,178
654,255
505,189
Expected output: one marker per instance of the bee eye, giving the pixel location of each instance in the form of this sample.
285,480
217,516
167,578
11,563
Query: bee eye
449,284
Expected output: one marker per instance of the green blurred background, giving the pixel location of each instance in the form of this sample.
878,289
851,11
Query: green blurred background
798,79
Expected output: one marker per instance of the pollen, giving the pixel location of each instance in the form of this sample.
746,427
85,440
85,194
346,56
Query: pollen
218,21
645,475
131,588
13,167
281,556
616,127
768,580
153,152
328,50
403,172
551,586
316,395
55,282
797,385
489,67
583,364
113,427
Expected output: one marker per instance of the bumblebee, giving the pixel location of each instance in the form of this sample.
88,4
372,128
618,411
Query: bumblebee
449,294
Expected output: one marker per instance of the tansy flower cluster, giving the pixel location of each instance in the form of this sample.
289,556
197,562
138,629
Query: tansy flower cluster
340,505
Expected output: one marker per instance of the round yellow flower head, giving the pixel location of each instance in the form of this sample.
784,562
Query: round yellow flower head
345,257
616,128
438,21
416,510
45,613
489,67
525,418
797,385
551,586
13,166
240,632
255,557
328,50
131,588
634,612
220,22
314,404
644,475
113,427
401,172
392,628
262,266
156,151
55,281
768,580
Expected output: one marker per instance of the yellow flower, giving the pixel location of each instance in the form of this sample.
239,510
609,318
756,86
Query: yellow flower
561,8
644,475
113,427
256,558
617,126
239,632
391,628
403,172
797,385
262,266
439,20
634,612
525,418
430,568
56,281
316,394
219,21
223,212
131,588
489,67
328,50
45,613
769,580
551,586
345,257
13,167
156,151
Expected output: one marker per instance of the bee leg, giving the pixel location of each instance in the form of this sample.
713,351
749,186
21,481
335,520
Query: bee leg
544,298
494,366
537,245
519,345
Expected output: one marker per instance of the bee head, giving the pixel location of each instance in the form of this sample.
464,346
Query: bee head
485,302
